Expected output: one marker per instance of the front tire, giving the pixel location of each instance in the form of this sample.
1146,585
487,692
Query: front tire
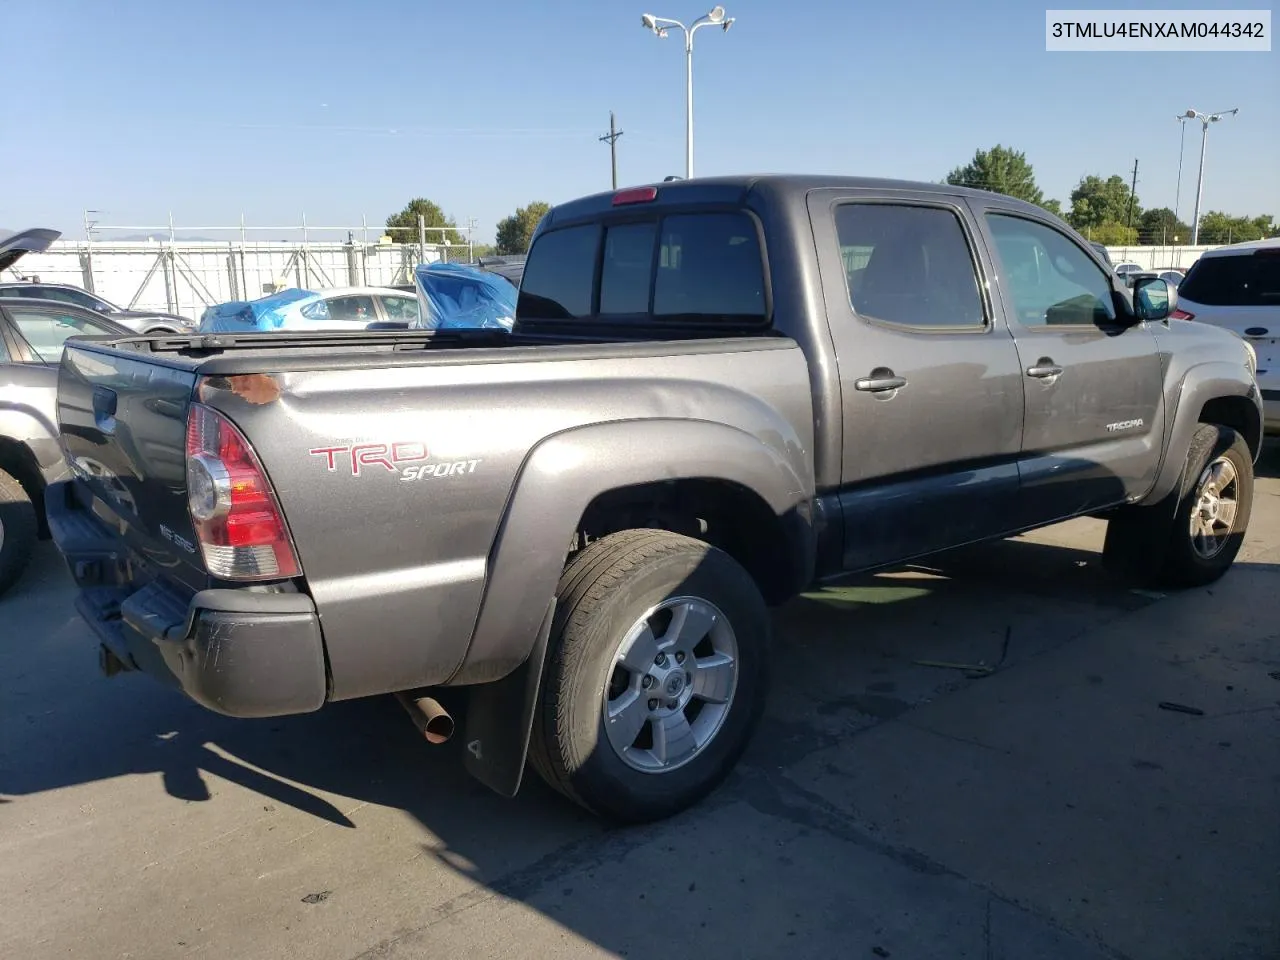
18,530
1192,537
657,672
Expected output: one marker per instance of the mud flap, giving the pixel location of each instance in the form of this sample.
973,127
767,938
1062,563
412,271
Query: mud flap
500,719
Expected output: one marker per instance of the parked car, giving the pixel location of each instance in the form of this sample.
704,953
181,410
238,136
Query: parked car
1238,287
1127,271
715,393
1172,277
339,308
32,335
138,321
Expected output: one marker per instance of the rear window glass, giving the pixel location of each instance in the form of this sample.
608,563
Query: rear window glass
1234,281
558,274
709,267
693,267
627,267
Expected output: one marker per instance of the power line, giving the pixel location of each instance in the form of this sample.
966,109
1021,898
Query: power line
611,138
1132,191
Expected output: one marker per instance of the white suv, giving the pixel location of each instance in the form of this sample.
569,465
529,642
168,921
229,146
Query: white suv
1238,287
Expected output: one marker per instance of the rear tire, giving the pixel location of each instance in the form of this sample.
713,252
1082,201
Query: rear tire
18,530
1192,537
622,599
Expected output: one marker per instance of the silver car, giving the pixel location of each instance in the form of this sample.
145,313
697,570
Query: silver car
33,333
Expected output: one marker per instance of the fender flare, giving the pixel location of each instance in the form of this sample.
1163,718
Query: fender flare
27,427
1213,380
552,491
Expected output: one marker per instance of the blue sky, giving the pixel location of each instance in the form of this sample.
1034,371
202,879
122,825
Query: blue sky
277,108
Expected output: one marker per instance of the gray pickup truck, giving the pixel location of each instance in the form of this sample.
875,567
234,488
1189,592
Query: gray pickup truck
716,393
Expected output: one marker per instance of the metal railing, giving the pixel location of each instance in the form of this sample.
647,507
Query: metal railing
183,270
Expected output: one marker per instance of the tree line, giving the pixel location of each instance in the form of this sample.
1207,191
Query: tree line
514,232
1104,209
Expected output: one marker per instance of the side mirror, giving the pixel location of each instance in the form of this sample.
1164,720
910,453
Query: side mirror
1153,298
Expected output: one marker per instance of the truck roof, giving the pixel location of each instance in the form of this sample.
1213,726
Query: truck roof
780,188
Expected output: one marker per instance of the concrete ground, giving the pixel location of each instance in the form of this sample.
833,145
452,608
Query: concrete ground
1049,809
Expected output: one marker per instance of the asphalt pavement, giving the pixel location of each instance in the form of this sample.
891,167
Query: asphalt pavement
1040,803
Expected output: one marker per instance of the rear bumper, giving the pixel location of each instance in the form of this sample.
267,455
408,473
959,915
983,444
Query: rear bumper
239,652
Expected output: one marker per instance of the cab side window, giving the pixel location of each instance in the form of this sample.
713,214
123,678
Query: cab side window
909,265
1051,281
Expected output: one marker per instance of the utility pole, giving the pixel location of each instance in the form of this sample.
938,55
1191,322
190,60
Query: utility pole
611,138
1132,190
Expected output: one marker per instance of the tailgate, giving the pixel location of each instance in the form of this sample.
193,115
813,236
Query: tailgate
122,419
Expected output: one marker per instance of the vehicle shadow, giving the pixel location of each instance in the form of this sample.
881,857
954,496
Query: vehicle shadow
849,656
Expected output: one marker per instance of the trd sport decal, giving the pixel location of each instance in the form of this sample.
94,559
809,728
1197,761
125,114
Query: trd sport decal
362,458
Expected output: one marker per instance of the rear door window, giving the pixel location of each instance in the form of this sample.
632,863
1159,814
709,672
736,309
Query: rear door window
558,275
354,309
909,265
400,309
709,268
1234,281
627,268
47,331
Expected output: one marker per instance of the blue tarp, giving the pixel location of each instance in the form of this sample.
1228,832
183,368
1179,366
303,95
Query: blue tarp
265,313
453,295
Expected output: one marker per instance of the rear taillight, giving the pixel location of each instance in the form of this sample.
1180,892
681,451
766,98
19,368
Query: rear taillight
1179,314
234,511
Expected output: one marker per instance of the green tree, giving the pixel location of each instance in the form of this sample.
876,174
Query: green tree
1053,206
1159,227
1000,170
433,217
1095,201
1219,227
1114,234
515,232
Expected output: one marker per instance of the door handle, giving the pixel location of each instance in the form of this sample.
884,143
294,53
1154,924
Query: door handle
1044,369
880,381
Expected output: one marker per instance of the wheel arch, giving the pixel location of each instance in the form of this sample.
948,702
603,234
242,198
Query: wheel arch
586,473
1213,392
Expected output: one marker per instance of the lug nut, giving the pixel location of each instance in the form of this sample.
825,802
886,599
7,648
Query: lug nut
660,660
647,682
672,704
680,658
653,704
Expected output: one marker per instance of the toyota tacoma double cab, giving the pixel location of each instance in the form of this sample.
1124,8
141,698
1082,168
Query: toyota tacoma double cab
716,393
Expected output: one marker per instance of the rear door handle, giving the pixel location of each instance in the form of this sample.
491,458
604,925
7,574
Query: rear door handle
1044,369
880,381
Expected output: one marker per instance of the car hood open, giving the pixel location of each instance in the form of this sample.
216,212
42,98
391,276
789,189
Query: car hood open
13,244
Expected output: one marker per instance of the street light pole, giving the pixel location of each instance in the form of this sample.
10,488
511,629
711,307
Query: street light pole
1205,119
659,26
1182,140
688,103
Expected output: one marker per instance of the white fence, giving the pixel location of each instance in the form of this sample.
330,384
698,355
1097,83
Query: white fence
1158,258
184,277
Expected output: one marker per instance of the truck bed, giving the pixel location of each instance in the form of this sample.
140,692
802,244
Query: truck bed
394,458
